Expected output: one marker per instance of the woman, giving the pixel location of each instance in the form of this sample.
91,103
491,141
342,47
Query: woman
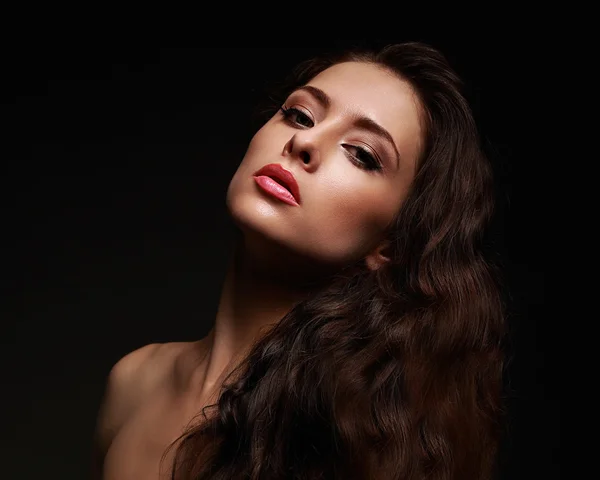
358,333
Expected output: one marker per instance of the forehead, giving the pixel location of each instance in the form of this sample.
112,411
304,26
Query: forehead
370,90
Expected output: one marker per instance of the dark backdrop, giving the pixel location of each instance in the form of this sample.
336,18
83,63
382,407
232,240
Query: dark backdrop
115,164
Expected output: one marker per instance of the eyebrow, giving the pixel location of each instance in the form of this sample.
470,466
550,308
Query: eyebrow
362,122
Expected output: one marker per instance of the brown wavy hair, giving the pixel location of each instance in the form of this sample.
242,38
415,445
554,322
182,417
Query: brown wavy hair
388,374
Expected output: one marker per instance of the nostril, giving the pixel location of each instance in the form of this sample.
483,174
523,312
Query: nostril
305,156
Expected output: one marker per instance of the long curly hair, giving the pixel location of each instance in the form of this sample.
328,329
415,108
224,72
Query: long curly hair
395,373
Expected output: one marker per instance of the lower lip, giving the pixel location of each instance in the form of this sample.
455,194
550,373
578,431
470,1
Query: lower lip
273,188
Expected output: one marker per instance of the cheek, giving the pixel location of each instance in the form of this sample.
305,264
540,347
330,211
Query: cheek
260,151
266,141
354,216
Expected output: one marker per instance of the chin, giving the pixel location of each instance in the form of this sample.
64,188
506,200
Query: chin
256,216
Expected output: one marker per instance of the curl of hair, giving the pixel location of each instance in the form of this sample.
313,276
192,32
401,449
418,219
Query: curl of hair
387,374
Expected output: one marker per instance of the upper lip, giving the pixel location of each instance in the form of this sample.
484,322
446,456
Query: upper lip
276,171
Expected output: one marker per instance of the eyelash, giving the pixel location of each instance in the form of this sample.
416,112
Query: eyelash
371,163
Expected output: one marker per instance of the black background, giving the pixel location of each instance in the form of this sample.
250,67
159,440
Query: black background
115,164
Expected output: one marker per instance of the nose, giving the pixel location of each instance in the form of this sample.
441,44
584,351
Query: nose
304,147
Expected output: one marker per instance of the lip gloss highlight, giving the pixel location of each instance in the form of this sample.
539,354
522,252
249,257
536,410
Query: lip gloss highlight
271,187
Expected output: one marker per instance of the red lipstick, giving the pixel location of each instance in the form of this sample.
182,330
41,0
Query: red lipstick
277,181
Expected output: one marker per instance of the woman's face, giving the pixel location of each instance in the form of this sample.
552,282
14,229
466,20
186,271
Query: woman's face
351,138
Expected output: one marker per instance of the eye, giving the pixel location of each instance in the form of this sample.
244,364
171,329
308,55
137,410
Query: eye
296,117
362,157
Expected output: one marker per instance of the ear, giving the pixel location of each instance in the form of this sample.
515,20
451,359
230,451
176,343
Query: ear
379,256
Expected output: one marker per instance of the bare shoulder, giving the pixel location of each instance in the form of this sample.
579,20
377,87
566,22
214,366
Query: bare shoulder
141,370
132,379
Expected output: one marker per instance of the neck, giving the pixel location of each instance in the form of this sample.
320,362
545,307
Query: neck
255,296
